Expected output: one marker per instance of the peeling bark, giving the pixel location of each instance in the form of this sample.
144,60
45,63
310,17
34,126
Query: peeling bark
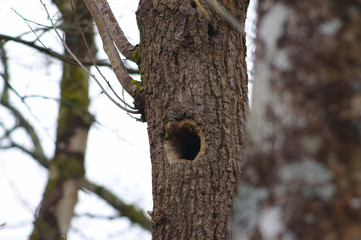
302,171
195,89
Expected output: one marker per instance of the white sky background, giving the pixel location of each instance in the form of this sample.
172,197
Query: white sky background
117,150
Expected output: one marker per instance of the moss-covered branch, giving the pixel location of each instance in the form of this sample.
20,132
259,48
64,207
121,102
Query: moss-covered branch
128,210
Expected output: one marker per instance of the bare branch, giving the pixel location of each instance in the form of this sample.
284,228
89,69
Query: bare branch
33,45
127,210
114,30
86,70
111,51
126,105
97,216
124,44
2,225
61,57
38,156
49,52
38,150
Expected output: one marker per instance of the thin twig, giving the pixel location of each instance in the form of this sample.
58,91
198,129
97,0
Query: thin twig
27,23
126,105
123,77
83,67
137,215
116,33
43,30
97,216
28,20
20,118
201,8
48,51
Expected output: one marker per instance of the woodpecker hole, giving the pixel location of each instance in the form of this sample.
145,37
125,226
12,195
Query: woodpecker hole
211,30
183,141
188,144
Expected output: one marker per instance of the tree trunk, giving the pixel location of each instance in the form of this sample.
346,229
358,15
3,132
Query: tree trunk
195,88
67,167
303,158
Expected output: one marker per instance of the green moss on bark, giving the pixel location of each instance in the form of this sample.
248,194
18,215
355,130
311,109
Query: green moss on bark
139,86
74,99
137,55
74,86
137,58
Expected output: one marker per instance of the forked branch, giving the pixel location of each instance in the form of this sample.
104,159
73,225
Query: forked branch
122,70
116,33
109,48
129,211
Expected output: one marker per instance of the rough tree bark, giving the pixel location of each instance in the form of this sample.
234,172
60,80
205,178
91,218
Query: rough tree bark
303,158
67,167
194,78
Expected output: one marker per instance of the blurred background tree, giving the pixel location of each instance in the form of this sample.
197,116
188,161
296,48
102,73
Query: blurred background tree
302,171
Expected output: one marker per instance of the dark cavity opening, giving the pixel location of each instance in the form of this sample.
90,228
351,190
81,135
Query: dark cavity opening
188,144
211,30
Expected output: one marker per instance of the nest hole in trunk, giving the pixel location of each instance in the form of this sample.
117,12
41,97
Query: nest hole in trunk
183,141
